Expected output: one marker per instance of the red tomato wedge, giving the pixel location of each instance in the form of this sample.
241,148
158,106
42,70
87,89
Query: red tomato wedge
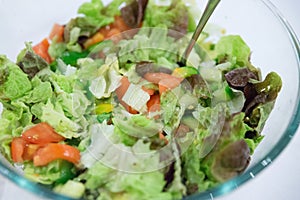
54,151
153,104
17,149
156,77
168,84
41,49
41,133
120,91
57,33
30,150
164,81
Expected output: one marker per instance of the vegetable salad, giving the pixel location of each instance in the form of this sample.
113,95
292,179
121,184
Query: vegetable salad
102,108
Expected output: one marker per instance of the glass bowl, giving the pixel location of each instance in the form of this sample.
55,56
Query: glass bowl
272,41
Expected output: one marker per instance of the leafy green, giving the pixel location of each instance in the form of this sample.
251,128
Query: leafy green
176,187
72,44
231,154
194,176
136,125
212,121
53,114
63,83
30,62
232,48
146,185
14,82
50,173
103,117
73,189
174,16
149,45
107,80
41,92
270,86
93,13
56,49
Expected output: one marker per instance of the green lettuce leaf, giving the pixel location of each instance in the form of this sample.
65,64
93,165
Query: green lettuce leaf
14,82
56,49
41,92
193,175
55,171
116,183
72,189
176,187
55,116
108,78
63,83
231,154
149,45
233,48
74,104
93,13
174,16
136,125
30,62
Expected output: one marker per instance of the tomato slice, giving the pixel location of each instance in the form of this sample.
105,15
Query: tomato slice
57,33
41,133
17,149
153,104
54,151
164,81
41,49
30,150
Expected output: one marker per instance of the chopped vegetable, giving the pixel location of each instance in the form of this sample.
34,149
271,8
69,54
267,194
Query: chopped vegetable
41,49
57,33
41,133
17,149
164,81
54,151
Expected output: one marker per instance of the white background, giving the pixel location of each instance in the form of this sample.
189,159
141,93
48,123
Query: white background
279,182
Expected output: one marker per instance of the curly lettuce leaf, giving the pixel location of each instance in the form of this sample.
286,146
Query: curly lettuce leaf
55,116
30,62
149,45
174,16
14,83
92,12
115,183
231,154
41,92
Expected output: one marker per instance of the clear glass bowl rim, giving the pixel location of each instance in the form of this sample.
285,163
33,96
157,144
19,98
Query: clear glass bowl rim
225,187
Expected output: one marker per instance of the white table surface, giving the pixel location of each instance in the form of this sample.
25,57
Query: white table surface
279,182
